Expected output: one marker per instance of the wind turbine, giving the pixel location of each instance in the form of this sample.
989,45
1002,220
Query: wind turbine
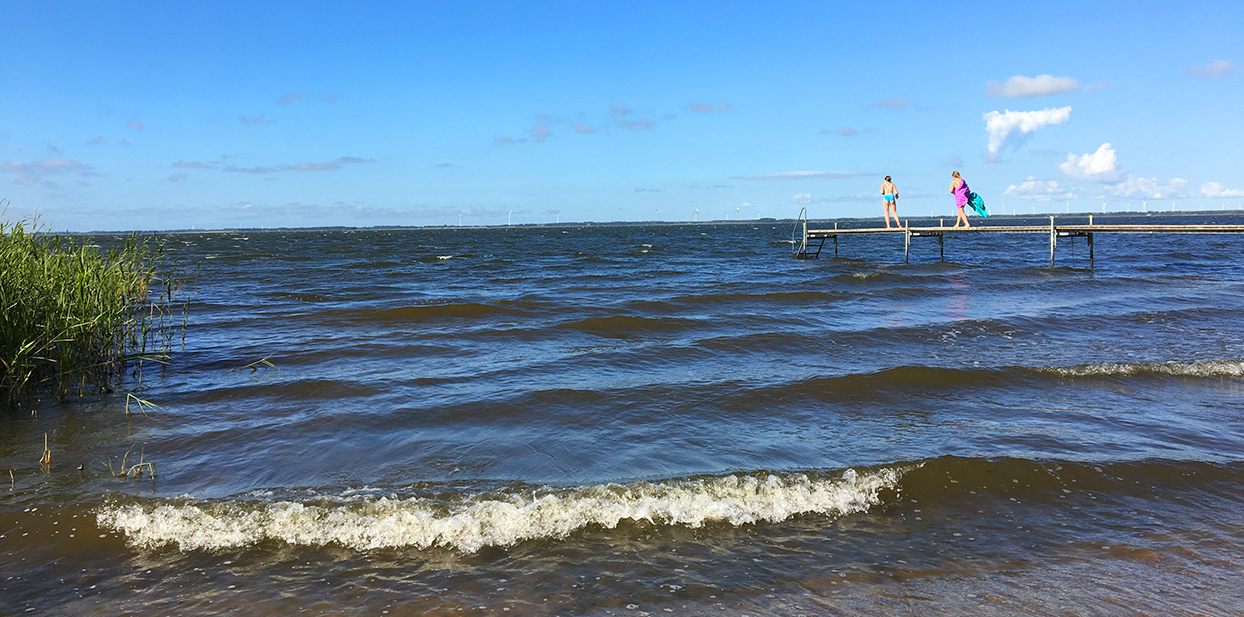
507,217
697,215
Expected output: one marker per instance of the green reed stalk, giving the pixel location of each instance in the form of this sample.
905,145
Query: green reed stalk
73,318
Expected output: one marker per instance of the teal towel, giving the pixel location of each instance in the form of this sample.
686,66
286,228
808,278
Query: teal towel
978,205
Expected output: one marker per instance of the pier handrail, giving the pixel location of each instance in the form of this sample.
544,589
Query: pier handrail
799,235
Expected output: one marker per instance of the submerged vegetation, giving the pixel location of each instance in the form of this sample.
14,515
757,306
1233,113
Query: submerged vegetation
75,319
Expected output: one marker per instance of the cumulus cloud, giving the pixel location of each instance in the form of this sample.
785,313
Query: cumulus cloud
708,108
1021,87
897,104
583,129
803,175
1102,165
1215,189
1040,190
1215,69
177,176
847,131
802,199
642,124
1148,188
539,132
619,110
292,98
97,141
1013,128
134,124
256,121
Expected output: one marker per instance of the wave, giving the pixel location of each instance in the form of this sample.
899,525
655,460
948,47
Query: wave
431,311
472,522
1204,369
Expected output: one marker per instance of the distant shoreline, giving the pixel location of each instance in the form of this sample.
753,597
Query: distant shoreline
575,225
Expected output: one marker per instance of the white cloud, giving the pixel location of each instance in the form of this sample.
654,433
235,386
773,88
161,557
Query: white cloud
642,124
708,108
97,141
1148,188
256,121
177,176
1214,189
802,199
1021,87
620,109
291,98
1013,128
539,132
1040,190
33,172
847,131
896,104
324,166
800,175
1102,165
1215,68
583,129
134,124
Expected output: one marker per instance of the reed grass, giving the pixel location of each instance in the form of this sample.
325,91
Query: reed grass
75,319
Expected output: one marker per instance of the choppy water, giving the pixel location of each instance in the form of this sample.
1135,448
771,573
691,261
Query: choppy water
658,420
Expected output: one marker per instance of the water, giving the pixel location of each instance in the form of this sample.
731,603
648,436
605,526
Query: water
657,420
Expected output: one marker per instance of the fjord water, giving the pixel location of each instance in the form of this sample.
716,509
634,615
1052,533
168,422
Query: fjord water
662,419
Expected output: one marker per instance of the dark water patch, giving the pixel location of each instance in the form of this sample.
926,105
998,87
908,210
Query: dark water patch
632,325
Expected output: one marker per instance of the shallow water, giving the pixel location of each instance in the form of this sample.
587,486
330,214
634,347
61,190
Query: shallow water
662,420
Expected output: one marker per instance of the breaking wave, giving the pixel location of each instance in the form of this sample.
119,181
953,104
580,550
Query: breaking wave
503,519
1205,369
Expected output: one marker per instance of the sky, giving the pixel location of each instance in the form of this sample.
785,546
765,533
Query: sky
156,116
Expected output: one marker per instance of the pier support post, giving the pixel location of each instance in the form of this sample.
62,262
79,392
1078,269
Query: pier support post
1090,243
906,245
941,246
835,242
1053,241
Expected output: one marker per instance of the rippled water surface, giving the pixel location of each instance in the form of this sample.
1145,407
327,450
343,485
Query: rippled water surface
665,419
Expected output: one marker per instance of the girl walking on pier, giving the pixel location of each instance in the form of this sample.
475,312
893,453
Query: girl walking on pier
889,193
959,189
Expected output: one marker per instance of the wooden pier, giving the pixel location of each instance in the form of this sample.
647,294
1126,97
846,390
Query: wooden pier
808,243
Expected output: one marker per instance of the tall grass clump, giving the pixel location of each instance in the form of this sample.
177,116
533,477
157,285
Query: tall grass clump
74,319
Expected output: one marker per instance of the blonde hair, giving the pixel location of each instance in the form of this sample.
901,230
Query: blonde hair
955,174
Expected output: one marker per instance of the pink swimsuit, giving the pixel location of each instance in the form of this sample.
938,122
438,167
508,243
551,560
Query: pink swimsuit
961,194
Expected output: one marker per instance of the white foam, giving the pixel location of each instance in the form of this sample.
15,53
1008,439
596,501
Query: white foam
1207,368
499,520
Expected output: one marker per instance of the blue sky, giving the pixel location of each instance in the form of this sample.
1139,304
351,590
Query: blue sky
146,116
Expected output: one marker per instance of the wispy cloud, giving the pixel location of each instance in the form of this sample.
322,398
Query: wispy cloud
1013,128
618,110
445,165
1021,87
896,104
642,124
34,172
1215,69
583,129
507,141
256,121
644,190
134,124
292,98
803,175
1102,165
540,132
708,108
177,176
1033,189
262,170
97,141
1217,190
